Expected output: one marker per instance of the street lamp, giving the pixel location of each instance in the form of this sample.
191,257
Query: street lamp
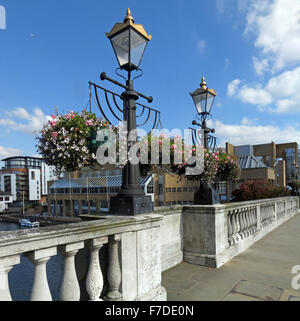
204,99
129,41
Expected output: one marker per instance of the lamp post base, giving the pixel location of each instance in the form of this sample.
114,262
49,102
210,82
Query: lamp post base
207,195
131,205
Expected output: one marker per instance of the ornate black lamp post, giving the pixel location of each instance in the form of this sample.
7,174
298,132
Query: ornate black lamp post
204,99
129,41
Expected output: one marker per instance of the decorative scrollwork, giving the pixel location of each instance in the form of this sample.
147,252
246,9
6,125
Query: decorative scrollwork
197,139
146,116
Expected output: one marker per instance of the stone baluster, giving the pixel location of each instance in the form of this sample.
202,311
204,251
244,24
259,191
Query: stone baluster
247,222
250,215
6,264
253,216
275,211
70,290
114,270
254,219
40,290
258,218
229,227
94,280
237,235
263,213
234,227
247,225
241,222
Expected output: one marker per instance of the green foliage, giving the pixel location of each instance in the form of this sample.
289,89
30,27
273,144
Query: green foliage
254,190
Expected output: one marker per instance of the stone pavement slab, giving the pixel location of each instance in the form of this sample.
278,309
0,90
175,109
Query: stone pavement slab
263,272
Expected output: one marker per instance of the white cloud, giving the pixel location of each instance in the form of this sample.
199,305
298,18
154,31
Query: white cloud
9,152
282,91
260,65
233,87
248,132
20,113
255,96
276,25
31,121
201,46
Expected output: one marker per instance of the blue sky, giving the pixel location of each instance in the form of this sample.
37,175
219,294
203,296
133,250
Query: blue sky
248,51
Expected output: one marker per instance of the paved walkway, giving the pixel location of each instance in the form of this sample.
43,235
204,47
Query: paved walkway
263,272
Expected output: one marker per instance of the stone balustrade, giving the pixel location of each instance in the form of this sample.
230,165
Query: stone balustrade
134,253
212,235
126,255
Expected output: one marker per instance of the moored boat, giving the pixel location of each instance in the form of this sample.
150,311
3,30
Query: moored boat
28,223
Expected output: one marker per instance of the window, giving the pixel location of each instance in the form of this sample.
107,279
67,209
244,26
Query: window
104,204
150,189
33,175
185,189
179,202
179,189
174,203
222,187
1,199
185,202
169,189
174,189
191,189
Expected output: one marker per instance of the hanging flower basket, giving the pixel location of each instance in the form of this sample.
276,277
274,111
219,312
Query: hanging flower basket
67,141
228,167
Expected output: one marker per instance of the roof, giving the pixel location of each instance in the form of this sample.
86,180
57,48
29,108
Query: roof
104,181
250,161
25,157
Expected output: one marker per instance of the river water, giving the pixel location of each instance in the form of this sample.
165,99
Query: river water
22,275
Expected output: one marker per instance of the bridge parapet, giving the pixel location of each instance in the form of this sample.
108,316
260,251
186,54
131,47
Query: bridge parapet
133,253
212,235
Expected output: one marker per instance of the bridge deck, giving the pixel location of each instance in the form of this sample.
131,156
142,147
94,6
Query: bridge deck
263,272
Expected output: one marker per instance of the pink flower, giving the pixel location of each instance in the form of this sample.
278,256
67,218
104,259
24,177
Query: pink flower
53,123
53,116
54,135
231,161
89,123
173,146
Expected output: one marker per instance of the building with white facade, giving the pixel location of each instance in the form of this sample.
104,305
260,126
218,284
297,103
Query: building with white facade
26,179
5,199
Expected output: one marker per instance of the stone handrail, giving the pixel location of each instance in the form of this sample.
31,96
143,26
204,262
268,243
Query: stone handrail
127,239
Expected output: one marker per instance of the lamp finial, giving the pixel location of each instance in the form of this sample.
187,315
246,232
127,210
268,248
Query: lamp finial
203,83
128,16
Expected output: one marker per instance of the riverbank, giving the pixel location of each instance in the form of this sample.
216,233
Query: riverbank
44,221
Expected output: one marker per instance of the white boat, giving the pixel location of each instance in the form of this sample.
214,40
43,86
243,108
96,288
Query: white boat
28,223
